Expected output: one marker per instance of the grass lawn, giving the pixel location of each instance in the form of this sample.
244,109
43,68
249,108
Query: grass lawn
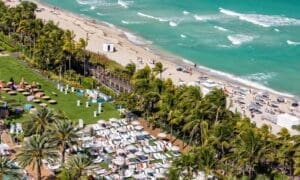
12,68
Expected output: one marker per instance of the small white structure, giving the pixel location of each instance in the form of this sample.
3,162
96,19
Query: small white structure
287,121
80,123
108,47
78,103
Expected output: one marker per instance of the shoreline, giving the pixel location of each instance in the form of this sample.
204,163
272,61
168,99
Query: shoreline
170,57
100,32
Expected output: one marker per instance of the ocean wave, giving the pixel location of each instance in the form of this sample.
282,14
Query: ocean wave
82,2
223,46
289,42
135,39
239,39
262,20
261,77
152,17
131,22
124,4
173,24
276,30
185,12
245,81
100,14
182,35
221,28
205,18
92,7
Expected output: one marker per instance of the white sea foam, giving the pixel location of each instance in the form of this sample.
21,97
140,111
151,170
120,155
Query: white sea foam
239,39
289,42
185,12
136,40
223,46
173,24
205,18
276,30
131,22
182,36
152,17
124,4
221,28
245,81
92,7
100,14
82,2
261,77
263,20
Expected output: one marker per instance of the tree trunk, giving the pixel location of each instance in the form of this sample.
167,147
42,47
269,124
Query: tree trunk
63,153
38,167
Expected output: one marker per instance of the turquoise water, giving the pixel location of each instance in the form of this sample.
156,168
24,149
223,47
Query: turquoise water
258,40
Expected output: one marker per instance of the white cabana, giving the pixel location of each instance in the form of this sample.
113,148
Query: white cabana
108,47
287,121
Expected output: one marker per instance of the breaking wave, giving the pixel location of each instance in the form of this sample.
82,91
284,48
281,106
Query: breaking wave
239,39
152,17
289,42
262,20
221,28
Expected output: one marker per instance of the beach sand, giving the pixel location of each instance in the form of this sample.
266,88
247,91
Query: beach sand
128,52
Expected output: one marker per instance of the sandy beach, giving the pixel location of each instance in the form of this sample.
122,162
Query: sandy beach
241,95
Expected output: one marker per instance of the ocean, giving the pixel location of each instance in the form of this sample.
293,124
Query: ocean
256,40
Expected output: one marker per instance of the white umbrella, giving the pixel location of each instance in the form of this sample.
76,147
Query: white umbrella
135,123
121,151
139,153
162,135
140,176
131,156
139,128
130,147
119,161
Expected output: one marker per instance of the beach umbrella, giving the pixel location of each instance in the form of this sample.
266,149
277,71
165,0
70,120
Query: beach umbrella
162,135
131,156
139,153
140,176
130,148
139,128
135,123
119,161
121,151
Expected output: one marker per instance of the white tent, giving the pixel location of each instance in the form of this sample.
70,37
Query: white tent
108,47
287,120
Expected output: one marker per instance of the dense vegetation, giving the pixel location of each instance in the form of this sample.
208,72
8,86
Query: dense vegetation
225,144
48,47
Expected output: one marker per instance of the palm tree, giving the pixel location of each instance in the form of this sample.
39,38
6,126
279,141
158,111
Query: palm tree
198,129
34,150
69,45
78,164
7,168
38,122
65,134
158,68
